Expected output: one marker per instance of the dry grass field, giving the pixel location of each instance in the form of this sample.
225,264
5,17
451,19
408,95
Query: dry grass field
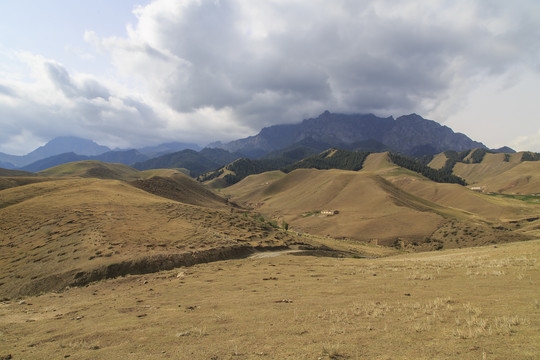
475,303
100,261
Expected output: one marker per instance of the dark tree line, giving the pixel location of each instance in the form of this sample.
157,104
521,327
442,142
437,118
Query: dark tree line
530,156
331,159
443,175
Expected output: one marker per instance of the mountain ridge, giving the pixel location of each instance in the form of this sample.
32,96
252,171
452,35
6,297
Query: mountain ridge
409,134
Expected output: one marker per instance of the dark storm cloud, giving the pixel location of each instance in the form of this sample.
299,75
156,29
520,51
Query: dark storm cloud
347,56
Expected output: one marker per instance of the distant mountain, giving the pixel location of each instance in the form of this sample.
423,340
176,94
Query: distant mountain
6,165
196,162
167,148
64,144
52,161
57,146
410,134
127,157
504,150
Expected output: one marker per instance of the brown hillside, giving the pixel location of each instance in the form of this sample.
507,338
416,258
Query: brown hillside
398,207
438,161
524,178
72,231
14,173
92,169
9,182
460,197
369,207
492,165
377,162
181,188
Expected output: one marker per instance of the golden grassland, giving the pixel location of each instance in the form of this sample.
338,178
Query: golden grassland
96,262
386,204
55,233
497,173
475,303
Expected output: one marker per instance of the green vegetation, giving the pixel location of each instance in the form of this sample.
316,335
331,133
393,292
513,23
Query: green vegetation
477,155
453,157
242,168
311,213
442,176
426,159
530,156
196,162
331,159
530,199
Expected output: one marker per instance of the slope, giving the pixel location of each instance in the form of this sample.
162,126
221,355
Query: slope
497,212
369,207
386,202
182,188
492,165
73,231
524,178
92,169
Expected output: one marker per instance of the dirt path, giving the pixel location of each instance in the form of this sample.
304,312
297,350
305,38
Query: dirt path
271,254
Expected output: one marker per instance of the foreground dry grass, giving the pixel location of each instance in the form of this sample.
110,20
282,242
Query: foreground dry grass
477,303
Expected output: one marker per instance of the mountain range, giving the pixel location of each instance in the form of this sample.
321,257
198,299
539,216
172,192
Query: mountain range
410,135
70,148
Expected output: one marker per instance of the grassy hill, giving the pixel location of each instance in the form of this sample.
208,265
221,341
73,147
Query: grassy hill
92,169
14,173
517,173
72,231
328,159
386,204
182,188
510,173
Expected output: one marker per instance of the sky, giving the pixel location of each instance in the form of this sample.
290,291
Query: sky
133,73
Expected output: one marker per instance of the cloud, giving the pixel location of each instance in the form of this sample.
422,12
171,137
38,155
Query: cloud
87,88
7,91
218,70
368,56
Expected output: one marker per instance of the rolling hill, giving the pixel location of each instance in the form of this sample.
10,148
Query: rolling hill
74,231
92,169
510,173
387,204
